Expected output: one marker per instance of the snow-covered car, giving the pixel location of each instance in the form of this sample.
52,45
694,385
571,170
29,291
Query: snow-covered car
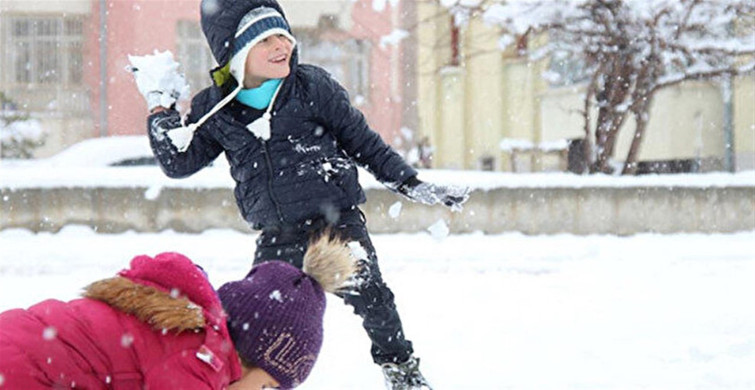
125,150
113,151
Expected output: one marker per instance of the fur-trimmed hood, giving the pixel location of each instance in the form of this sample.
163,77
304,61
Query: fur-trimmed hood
158,324
162,310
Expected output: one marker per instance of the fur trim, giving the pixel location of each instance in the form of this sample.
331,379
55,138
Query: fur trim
155,307
329,261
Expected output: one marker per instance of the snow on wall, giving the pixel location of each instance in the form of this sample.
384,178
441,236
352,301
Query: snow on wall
218,177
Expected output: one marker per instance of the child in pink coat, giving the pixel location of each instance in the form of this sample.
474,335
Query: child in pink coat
160,325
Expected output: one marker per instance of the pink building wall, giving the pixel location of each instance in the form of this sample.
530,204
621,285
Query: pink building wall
135,27
139,27
383,111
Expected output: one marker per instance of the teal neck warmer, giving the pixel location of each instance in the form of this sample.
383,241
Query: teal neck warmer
261,96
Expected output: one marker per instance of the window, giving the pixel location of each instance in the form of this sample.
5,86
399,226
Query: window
487,163
346,60
44,50
194,55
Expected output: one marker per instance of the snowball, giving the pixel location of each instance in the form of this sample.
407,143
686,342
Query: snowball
158,72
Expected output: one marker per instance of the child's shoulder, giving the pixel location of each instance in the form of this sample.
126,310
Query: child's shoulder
317,78
312,70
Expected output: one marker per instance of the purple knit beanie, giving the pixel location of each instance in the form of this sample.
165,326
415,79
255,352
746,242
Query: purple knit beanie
275,318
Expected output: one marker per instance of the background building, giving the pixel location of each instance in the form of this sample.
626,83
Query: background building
486,108
447,93
64,61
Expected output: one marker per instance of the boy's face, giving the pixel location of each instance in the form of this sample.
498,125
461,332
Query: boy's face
268,59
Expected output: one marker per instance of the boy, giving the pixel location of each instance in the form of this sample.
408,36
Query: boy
293,141
160,325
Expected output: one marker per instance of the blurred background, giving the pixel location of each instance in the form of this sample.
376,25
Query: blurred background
578,116
474,85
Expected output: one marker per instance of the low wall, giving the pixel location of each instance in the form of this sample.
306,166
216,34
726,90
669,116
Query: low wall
548,210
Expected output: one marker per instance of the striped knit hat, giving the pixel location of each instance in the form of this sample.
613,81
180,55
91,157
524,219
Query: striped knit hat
256,25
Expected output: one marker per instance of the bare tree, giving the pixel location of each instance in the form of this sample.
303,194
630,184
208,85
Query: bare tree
629,50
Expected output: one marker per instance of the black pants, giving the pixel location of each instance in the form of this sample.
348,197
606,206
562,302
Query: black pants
372,300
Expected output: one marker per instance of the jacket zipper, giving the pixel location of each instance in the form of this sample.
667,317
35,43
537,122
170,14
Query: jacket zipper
270,180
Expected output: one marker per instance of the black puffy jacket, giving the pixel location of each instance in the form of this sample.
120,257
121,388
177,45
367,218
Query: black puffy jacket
307,167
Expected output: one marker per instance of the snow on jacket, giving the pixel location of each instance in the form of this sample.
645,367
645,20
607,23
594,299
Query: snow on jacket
134,331
308,167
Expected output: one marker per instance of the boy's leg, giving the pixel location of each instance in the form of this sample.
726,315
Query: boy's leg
282,245
372,300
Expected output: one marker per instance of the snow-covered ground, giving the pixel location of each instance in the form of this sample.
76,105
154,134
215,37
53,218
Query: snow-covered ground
485,312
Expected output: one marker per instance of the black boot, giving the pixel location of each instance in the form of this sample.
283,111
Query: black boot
405,376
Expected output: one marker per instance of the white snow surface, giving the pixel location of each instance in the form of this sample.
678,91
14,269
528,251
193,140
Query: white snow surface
484,311
15,177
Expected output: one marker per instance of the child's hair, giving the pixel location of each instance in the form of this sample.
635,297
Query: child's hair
275,313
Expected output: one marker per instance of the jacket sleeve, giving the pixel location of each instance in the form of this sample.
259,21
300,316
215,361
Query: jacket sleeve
356,138
202,151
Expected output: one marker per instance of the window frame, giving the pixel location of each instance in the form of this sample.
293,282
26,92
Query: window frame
44,67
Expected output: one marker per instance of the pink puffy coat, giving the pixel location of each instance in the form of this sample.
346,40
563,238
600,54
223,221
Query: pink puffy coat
158,325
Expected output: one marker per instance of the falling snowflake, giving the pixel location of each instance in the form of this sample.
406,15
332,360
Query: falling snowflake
395,210
153,192
439,230
126,340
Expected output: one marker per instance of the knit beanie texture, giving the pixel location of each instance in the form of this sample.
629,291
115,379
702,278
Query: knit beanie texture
275,320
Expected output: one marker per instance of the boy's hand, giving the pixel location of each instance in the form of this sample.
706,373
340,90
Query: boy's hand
430,194
158,79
